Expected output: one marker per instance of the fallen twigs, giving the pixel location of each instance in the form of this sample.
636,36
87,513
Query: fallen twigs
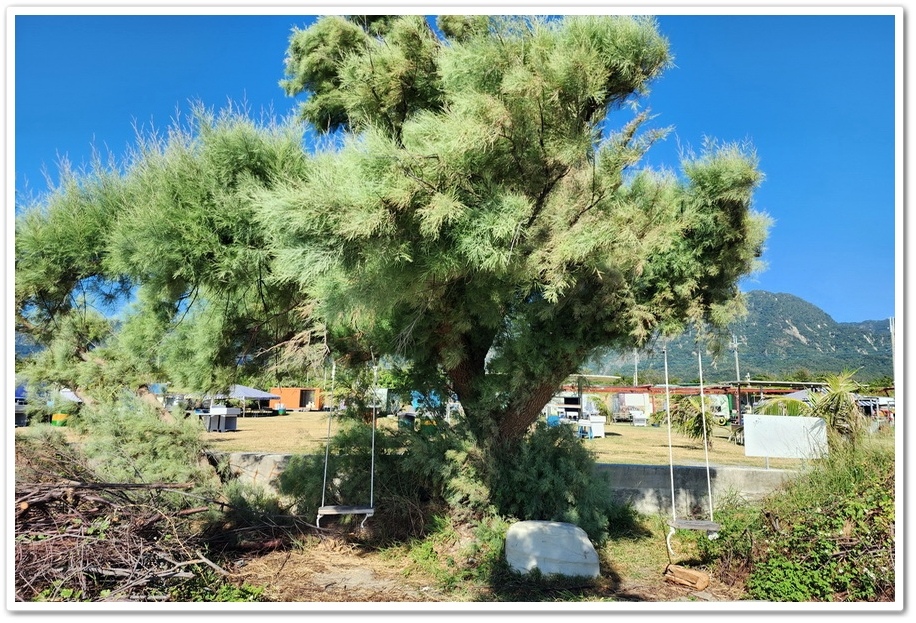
101,541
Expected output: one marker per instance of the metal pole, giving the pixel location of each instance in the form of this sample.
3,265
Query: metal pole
635,367
893,354
737,378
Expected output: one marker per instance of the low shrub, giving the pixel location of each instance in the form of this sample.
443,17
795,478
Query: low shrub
552,477
827,535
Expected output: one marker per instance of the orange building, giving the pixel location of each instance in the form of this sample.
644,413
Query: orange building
297,398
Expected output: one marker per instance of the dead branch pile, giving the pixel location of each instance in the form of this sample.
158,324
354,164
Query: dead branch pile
100,542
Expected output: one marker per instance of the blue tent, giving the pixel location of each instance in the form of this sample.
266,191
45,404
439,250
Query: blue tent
20,392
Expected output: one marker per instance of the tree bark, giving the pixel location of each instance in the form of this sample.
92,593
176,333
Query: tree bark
524,412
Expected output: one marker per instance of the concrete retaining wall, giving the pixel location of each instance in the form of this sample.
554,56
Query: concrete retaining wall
646,487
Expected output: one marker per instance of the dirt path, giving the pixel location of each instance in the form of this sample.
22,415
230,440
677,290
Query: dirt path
332,571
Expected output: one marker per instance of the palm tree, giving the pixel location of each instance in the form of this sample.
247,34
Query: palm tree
836,404
688,419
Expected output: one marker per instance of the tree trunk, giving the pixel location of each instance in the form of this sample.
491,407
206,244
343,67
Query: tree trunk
521,415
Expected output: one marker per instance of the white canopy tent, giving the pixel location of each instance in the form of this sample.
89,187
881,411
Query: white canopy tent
242,393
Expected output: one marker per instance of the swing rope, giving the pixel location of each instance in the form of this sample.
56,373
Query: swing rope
369,510
710,526
705,444
327,445
372,453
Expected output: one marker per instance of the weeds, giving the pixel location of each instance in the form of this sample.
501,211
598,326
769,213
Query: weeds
828,535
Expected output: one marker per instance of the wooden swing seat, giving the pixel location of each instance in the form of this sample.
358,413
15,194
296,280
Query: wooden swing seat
694,524
324,511
711,529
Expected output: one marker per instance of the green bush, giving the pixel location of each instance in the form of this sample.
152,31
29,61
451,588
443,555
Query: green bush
416,476
461,555
732,549
419,476
552,477
828,535
127,440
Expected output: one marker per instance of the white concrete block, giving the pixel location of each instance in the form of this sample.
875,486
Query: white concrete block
552,547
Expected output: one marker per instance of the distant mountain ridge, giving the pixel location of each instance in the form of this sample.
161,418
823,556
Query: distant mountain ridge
781,335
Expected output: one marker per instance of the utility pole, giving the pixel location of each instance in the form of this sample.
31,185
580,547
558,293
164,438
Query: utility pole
737,373
893,355
635,367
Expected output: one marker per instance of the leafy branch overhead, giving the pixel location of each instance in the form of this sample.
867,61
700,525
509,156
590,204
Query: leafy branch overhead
476,207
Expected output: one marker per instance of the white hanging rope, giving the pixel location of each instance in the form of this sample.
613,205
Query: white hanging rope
372,461
366,511
670,451
327,447
705,445
710,526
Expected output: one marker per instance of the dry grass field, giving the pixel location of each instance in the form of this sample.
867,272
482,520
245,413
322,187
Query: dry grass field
306,432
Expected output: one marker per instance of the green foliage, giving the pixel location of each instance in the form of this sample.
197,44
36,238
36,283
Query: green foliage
603,408
471,207
58,592
732,552
689,417
782,406
129,441
44,452
208,586
457,561
480,213
836,404
828,535
251,507
839,408
551,476
71,354
779,579
415,476
60,247
178,227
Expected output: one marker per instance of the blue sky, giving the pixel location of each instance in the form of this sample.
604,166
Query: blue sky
814,94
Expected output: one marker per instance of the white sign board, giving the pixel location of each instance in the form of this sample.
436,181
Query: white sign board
785,436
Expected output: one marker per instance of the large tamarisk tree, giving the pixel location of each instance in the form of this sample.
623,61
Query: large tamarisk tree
484,212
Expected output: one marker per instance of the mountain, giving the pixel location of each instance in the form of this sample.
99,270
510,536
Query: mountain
781,335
